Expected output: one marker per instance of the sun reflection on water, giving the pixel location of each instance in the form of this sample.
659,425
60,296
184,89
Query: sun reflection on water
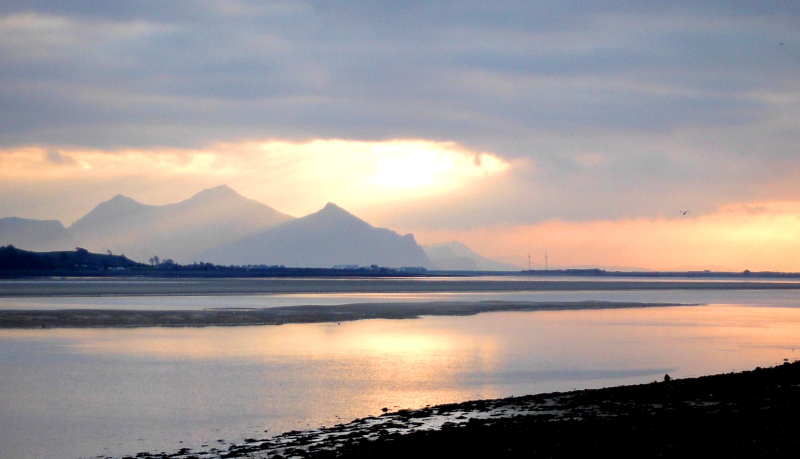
200,384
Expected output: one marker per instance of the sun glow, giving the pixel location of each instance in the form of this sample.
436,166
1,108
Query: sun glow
417,164
296,178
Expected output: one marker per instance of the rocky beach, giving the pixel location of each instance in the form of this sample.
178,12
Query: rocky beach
746,414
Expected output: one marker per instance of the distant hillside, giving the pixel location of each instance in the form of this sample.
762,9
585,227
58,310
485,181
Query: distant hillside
211,218
326,238
456,256
12,258
38,235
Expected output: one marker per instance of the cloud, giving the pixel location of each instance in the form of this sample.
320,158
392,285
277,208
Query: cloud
154,76
602,111
56,157
294,177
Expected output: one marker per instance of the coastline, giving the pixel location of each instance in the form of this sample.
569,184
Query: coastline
116,318
746,414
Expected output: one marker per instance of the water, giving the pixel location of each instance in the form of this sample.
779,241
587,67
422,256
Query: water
81,393
778,298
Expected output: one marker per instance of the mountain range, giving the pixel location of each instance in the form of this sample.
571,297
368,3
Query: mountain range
220,226
179,231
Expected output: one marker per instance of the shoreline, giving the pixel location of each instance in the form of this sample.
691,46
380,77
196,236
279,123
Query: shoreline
100,287
744,414
118,318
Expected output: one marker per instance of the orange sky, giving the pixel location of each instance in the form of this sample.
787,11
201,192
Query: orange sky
363,176
758,237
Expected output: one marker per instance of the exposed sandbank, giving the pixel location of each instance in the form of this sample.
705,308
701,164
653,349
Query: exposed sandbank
48,287
95,318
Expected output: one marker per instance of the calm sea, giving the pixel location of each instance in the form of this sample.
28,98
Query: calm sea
82,393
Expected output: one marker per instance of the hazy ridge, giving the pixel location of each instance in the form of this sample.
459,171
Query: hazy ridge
218,225
456,256
178,231
38,235
329,237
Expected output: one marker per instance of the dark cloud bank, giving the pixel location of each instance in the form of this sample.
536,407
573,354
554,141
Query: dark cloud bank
657,92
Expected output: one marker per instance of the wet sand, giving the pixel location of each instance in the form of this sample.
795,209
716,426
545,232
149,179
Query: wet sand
94,318
748,414
49,287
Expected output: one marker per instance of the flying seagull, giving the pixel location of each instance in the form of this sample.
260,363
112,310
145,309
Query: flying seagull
683,212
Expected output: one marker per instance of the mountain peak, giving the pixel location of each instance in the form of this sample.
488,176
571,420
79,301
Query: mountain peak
115,208
331,207
211,218
333,213
119,204
329,237
221,191
121,199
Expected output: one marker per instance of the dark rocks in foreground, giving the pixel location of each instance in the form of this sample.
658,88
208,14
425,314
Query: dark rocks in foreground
752,414
740,415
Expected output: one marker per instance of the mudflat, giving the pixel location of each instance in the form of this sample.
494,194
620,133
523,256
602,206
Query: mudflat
132,286
94,318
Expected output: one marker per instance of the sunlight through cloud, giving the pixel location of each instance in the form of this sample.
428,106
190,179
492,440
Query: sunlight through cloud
294,177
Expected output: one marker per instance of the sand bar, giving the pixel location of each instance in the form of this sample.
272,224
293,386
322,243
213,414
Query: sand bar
96,318
49,287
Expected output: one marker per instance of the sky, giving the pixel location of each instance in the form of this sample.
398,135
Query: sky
578,129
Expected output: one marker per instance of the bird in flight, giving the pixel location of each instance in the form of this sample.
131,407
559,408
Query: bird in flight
683,212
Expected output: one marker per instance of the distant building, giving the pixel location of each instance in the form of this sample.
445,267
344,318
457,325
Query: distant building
346,267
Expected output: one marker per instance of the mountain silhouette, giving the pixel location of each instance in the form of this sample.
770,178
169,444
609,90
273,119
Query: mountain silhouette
329,237
211,218
37,235
458,257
